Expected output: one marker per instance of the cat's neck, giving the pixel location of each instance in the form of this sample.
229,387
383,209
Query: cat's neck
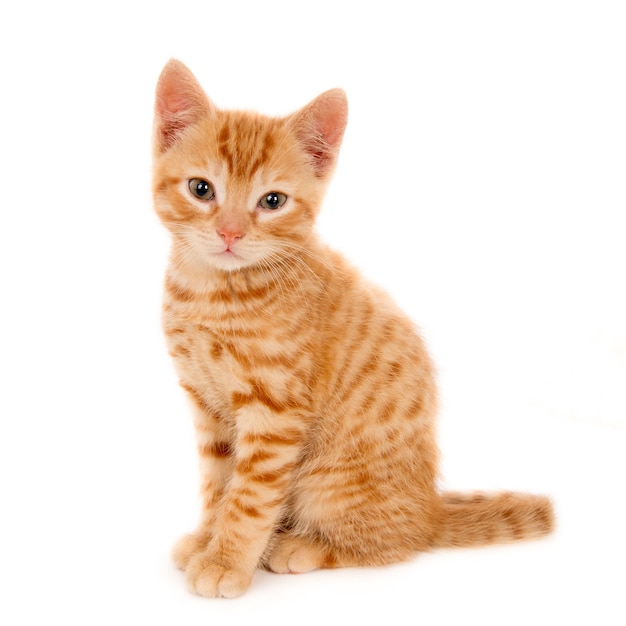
304,273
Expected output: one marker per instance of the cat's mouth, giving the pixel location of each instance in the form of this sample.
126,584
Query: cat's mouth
230,254
229,251
229,259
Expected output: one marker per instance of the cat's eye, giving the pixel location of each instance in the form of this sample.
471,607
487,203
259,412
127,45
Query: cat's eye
201,188
273,200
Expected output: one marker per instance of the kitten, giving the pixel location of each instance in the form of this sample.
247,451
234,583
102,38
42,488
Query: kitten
313,394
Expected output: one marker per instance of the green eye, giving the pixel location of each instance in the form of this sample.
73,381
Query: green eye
202,189
273,200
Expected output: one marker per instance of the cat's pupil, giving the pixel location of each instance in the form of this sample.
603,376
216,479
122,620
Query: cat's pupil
272,200
202,188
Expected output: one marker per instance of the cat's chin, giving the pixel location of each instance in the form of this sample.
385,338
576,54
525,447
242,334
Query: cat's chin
228,261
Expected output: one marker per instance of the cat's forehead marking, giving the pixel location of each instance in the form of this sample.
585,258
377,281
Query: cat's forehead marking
245,144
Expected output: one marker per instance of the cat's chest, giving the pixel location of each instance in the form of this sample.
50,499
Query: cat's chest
227,342
206,359
222,366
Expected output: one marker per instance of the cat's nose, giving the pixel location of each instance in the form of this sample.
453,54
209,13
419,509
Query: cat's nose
229,236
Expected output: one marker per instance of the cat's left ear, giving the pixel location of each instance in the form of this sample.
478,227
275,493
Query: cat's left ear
320,126
180,102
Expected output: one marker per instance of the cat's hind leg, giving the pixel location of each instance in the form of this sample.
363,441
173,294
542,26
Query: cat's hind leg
291,553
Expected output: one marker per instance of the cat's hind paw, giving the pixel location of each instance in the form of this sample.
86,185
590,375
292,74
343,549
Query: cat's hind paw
295,555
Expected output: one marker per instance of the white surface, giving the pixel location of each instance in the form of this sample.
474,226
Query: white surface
481,181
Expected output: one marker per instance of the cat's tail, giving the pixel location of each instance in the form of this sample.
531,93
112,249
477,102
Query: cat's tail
476,519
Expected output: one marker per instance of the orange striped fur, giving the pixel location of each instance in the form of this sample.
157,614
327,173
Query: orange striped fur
313,394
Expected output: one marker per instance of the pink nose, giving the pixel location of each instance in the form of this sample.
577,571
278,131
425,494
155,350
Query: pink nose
229,236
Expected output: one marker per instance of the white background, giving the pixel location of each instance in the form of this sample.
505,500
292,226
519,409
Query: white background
481,182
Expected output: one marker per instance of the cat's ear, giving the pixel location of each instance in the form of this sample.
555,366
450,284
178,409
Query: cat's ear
180,102
319,127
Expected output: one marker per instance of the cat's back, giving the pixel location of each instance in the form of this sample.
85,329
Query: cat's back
370,345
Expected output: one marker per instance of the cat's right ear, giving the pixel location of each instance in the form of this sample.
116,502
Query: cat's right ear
180,102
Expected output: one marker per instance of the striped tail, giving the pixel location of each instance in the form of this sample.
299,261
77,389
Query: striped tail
476,519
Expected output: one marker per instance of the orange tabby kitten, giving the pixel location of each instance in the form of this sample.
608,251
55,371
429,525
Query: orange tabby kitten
313,393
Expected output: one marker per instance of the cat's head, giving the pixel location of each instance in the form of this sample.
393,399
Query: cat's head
238,189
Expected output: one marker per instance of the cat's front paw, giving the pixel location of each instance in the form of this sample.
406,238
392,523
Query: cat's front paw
212,580
188,546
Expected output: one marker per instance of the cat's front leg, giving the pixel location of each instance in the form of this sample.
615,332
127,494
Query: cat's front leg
268,445
216,465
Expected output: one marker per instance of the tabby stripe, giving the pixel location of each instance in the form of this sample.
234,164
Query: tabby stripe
175,331
267,289
220,450
350,497
281,360
416,408
345,378
514,524
260,511
288,437
351,384
177,292
244,299
387,411
199,401
395,369
266,148
211,495
180,350
366,404
248,463
247,510
261,395
274,476
223,148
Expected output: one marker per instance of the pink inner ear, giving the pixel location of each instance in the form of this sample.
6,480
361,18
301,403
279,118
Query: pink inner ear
173,103
180,102
320,126
331,121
